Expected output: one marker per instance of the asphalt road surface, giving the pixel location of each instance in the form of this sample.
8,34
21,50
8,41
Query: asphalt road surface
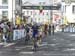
59,44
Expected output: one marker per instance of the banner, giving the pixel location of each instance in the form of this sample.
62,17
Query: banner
18,34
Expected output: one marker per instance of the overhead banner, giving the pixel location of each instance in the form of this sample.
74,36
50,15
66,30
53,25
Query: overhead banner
44,7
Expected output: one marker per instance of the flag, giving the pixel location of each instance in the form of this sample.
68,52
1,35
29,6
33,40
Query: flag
40,9
56,17
65,20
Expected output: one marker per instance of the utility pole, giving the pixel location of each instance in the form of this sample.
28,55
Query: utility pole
51,18
12,12
51,13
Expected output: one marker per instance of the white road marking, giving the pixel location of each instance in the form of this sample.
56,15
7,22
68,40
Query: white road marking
1,43
9,44
52,44
69,49
70,44
42,44
45,42
26,52
21,47
54,39
59,54
72,35
17,49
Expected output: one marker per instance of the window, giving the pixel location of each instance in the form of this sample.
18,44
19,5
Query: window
18,2
72,0
63,0
4,1
5,14
64,9
73,9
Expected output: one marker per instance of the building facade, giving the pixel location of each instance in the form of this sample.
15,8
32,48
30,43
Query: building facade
34,13
7,8
29,9
10,8
68,10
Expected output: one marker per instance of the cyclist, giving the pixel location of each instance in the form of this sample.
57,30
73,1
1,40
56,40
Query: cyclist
35,36
27,38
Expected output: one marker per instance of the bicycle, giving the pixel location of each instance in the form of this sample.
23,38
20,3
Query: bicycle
35,46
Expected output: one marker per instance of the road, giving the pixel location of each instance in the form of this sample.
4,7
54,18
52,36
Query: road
59,44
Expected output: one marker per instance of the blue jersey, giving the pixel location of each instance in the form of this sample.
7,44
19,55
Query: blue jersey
35,30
